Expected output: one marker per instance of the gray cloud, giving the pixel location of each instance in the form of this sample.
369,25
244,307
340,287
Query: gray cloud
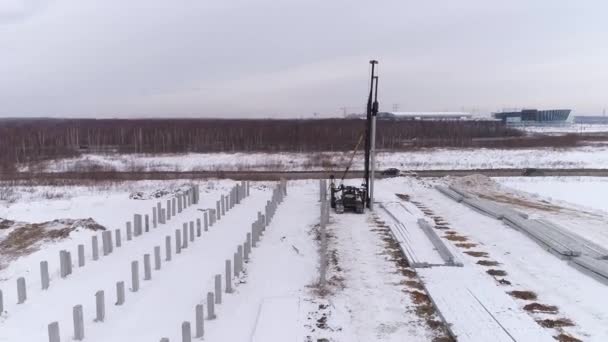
292,58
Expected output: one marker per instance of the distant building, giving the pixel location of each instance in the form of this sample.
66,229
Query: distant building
532,116
591,119
425,115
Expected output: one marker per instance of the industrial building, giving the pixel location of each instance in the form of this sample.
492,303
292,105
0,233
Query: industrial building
533,116
425,115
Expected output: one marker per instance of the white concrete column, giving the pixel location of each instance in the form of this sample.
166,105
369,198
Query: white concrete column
100,306
78,322
44,276
137,224
157,258
228,276
185,236
218,289
53,329
147,267
129,231
117,235
191,231
81,256
178,241
198,227
21,290
147,222
200,320
120,293
134,276
210,306
223,205
206,220
186,332
169,211
154,217
167,248
95,247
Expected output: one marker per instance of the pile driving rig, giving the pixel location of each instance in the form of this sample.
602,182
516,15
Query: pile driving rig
352,198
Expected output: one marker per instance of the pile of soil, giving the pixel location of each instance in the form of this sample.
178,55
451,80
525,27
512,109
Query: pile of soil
158,193
25,238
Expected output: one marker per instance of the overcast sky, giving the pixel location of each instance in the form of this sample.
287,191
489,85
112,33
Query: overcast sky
292,58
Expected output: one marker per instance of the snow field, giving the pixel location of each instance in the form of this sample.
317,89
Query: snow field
421,159
584,191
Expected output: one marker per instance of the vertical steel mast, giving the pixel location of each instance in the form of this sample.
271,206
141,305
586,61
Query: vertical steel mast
368,128
372,175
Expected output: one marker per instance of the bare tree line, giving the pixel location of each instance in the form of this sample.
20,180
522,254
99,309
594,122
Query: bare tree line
24,140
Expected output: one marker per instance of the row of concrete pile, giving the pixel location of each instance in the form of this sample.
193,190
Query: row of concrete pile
233,268
588,257
184,238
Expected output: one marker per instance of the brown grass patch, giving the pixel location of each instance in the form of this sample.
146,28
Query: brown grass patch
466,245
566,338
496,273
408,273
425,310
414,284
487,263
525,295
453,237
537,307
477,254
555,323
444,339
419,297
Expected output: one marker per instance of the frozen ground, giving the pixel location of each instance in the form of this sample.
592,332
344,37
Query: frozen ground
580,157
585,191
279,284
374,295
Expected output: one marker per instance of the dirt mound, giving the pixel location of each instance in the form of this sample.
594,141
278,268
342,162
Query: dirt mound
158,193
6,224
25,238
474,182
486,188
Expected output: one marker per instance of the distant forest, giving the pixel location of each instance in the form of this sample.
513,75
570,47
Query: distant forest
25,140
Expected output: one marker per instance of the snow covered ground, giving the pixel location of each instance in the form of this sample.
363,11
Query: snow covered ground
527,266
373,294
580,157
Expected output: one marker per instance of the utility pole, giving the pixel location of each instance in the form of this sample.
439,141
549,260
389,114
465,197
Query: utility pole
344,109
